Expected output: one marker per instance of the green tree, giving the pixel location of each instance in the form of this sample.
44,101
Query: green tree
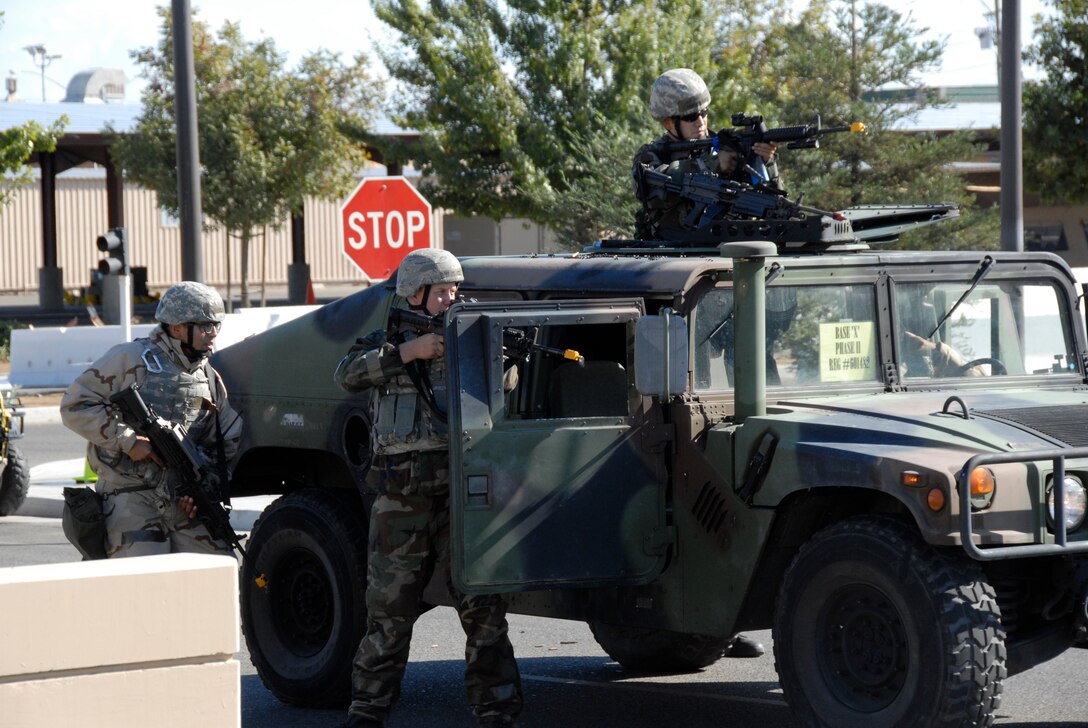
1056,108
532,108
837,59
17,143
269,136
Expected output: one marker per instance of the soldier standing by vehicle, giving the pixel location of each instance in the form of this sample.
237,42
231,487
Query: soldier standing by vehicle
680,101
410,518
171,369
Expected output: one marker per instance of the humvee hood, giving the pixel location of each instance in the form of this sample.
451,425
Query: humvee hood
1006,420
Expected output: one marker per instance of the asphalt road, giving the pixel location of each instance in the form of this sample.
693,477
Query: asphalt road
569,682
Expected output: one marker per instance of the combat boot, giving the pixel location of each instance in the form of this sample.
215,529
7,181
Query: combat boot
358,721
741,646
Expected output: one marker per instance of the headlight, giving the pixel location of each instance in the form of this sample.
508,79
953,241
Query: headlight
1075,502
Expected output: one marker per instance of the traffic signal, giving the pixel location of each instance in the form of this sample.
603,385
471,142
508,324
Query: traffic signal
115,242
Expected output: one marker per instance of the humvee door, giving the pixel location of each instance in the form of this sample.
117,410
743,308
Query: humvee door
554,481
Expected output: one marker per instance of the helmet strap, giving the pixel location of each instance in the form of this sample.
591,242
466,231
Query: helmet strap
186,344
422,306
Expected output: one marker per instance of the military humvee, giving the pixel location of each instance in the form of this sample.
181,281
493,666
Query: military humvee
14,470
755,440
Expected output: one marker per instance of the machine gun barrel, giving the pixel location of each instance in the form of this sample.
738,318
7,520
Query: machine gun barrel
182,459
512,339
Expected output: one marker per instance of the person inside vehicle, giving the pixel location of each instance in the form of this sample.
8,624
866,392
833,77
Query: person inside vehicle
410,519
942,359
142,513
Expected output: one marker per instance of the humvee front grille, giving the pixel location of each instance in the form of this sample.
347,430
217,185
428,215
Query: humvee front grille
1065,423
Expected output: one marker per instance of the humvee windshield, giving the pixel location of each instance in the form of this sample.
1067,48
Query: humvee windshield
830,334
1010,328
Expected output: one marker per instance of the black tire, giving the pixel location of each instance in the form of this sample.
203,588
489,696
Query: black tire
14,482
658,650
873,627
304,595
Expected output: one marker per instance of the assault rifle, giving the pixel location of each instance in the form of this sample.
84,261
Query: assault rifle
514,341
717,208
750,129
183,460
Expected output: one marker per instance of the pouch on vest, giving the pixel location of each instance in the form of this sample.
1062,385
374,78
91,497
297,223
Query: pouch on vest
396,422
83,522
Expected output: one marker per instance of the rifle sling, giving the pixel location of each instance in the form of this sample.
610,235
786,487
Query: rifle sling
421,380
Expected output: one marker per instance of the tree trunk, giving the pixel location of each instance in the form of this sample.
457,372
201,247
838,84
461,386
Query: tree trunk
246,235
229,304
264,266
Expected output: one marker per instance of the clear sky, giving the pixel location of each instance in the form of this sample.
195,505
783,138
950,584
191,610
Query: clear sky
92,33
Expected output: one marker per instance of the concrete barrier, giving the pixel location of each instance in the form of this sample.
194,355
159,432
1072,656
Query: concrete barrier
50,358
125,642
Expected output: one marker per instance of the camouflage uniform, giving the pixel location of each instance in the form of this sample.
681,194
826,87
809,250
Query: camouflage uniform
409,537
142,514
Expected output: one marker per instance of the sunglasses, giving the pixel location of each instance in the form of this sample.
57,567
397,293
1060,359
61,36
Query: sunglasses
209,327
694,117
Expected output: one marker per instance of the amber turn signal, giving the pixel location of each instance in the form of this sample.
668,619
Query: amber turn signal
982,481
935,499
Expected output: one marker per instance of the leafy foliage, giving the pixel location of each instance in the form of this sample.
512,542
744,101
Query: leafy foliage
531,108
834,60
268,136
534,109
1056,108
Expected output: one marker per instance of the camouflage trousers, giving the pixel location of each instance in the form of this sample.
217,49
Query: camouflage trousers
409,536
147,522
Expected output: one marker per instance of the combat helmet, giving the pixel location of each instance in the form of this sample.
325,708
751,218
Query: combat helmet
189,302
678,92
426,267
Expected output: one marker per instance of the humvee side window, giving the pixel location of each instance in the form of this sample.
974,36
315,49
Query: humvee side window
1003,328
815,334
550,387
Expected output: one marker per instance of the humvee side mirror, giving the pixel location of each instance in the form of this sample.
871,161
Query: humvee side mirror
661,354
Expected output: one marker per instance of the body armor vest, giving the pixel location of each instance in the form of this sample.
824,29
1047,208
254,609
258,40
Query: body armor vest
403,421
176,395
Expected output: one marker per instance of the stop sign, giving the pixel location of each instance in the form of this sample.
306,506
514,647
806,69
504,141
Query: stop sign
383,220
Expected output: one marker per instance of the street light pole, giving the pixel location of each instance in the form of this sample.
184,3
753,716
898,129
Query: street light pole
42,59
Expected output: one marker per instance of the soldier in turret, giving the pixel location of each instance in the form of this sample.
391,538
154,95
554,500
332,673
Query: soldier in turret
680,102
410,518
142,514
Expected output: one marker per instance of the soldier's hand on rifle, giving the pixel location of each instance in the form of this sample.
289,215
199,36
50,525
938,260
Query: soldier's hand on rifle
142,451
186,504
427,346
766,150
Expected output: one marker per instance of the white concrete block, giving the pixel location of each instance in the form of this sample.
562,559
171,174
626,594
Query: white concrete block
146,610
183,696
54,356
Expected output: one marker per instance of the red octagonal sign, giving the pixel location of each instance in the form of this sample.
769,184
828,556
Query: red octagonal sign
383,220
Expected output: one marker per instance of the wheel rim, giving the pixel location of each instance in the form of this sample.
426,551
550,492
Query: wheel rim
862,648
302,602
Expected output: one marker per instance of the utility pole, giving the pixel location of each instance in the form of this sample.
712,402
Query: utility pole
1012,142
188,147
